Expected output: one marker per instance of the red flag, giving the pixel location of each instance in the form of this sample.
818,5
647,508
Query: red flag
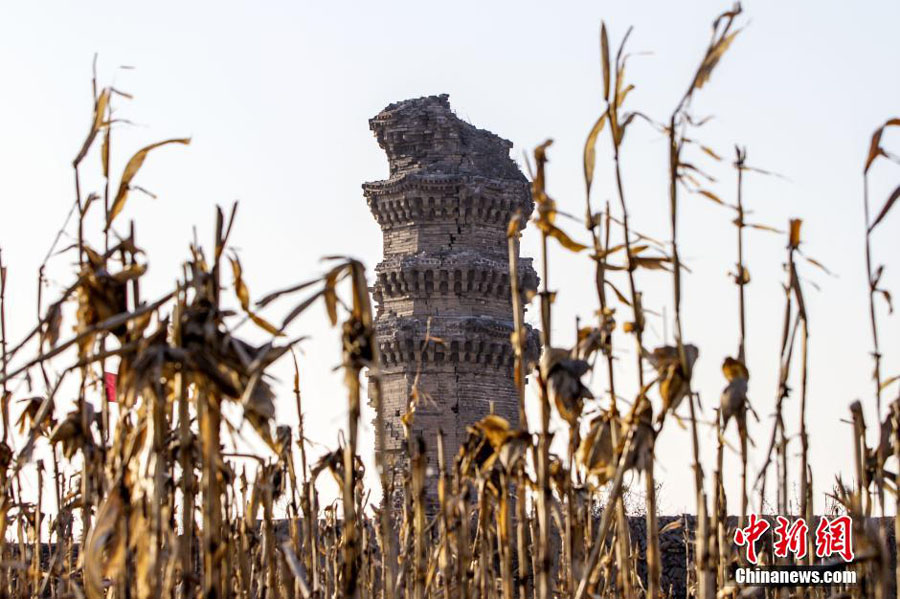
109,383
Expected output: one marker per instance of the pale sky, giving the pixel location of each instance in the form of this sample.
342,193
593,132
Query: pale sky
276,97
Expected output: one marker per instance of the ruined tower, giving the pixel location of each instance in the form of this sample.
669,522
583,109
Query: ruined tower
444,212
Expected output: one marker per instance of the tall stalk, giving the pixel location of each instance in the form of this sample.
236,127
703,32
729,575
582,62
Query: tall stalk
623,540
444,504
543,454
742,277
895,415
876,351
519,369
806,506
546,213
3,358
873,277
617,128
872,289
705,570
385,514
210,418
350,540
186,548
721,39
614,96
777,442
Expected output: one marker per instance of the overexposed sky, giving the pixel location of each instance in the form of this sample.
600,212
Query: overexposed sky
276,96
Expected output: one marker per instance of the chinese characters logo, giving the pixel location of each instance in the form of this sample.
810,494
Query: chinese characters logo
833,536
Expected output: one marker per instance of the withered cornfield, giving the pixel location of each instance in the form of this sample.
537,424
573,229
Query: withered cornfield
149,503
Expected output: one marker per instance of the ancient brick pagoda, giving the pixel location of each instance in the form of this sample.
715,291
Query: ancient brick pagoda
444,212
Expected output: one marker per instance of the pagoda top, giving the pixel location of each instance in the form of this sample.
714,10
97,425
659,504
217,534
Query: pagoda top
424,136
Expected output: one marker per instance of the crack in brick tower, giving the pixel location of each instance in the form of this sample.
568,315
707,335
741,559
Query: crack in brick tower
444,212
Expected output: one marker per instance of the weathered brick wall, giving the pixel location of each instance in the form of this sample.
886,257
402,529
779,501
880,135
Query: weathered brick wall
444,212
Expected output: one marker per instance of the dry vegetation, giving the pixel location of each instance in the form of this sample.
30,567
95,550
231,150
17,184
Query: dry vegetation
161,509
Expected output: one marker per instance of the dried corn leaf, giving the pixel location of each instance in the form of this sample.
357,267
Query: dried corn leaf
619,295
887,206
602,254
887,297
760,227
563,375
97,122
515,226
595,452
654,263
105,548
361,308
712,59
131,169
300,308
620,98
28,418
673,385
495,429
889,381
692,168
620,129
559,235
104,153
711,196
54,321
875,149
604,57
590,152
709,152
817,264
673,525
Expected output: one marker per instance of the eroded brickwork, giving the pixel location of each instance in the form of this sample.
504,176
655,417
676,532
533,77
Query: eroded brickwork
444,212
